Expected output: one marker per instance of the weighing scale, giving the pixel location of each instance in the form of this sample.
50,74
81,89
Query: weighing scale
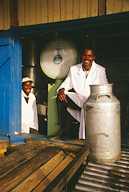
55,60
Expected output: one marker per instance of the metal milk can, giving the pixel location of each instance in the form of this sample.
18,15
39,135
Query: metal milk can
102,123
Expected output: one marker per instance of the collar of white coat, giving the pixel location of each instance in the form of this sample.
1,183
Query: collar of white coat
24,95
81,72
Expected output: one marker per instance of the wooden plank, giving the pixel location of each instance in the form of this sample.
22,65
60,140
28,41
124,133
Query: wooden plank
16,176
50,11
39,12
18,10
118,6
69,9
83,8
17,158
56,10
6,15
44,6
65,176
21,12
12,157
79,142
33,10
109,7
102,7
89,7
27,12
33,180
3,143
63,10
69,146
14,147
13,13
1,15
55,173
94,8
125,6
76,9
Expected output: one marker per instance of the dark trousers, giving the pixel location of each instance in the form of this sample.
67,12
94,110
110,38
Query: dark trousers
64,117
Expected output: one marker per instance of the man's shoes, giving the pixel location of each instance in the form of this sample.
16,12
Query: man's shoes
62,134
65,134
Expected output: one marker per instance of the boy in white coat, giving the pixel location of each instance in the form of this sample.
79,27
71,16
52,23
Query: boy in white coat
79,78
29,117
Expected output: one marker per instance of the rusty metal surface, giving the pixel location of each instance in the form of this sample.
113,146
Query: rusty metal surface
106,177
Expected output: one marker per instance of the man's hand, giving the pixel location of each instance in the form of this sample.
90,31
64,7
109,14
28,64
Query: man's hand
62,95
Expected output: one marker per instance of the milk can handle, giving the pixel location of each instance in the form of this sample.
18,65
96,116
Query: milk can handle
103,94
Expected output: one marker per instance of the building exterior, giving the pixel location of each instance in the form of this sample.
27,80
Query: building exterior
31,24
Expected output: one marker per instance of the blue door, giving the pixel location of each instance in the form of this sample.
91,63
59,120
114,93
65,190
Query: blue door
10,82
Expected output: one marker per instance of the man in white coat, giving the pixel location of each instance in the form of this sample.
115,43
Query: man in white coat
79,78
29,117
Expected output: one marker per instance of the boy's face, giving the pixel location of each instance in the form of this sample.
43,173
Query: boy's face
27,86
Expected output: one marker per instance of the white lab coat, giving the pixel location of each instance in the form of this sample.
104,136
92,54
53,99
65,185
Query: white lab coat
77,80
29,117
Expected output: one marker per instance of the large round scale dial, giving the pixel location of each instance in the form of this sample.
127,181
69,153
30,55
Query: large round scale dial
56,59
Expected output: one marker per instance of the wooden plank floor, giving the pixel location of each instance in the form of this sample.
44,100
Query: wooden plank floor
41,165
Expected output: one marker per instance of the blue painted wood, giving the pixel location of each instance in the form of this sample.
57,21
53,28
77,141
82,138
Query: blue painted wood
4,51
10,82
3,38
16,75
4,137
5,68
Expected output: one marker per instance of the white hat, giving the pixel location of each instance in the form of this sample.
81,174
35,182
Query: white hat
25,79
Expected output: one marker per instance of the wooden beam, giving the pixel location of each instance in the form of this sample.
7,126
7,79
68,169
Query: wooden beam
83,8
94,8
44,7
76,9
42,186
39,12
56,10
63,10
50,11
27,12
1,15
13,13
125,6
65,176
21,12
74,147
4,144
10,162
69,9
118,6
33,12
6,15
109,7
33,180
19,174
102,7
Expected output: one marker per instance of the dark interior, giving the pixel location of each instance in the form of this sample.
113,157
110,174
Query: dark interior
111,45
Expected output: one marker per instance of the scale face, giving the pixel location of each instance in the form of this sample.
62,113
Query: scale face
56,59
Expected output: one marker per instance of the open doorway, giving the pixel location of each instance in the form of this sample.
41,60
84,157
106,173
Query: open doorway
111,49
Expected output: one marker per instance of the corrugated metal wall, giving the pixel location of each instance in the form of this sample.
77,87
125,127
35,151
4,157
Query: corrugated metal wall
31,12
46,11
8,14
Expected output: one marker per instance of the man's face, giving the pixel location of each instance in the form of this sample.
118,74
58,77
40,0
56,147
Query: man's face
27,86
87,59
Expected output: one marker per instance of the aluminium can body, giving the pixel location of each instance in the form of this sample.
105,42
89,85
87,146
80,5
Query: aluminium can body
102,122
